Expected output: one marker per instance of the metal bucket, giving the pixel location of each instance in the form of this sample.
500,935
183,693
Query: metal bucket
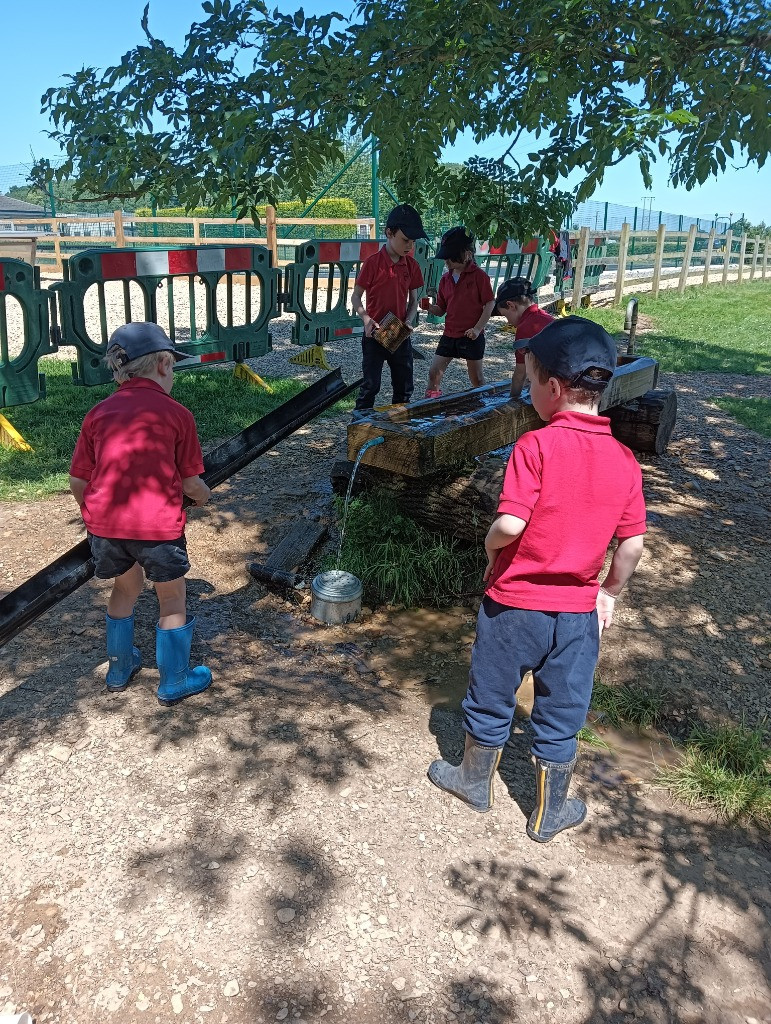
335,597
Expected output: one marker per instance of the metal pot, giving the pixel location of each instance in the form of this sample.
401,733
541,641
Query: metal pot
335,597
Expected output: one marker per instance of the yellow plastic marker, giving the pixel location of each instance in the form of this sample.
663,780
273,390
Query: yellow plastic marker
11,438
243,372
313,355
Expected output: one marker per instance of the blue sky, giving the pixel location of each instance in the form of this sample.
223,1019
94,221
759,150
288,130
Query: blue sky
51,38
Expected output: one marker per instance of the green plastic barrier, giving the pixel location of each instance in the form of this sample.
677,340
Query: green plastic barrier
332,266
209,334
24,335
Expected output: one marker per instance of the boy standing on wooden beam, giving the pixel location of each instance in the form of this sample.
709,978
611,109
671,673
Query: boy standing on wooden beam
569,489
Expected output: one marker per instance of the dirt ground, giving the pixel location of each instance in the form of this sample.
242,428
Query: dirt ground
272,850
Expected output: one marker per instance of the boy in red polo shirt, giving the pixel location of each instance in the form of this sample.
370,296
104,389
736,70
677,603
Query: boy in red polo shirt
569,489
466,296
391,279
135,458
515,301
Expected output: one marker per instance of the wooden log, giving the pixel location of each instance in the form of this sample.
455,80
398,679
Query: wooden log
461,504
646,424
288,554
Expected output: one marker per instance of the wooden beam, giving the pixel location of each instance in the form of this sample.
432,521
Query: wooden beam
729,238
687,259
623,246
579,270
708,258
661,234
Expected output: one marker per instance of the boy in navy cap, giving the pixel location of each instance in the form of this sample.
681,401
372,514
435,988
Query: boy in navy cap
516,301
135,458
569,488
391,280
466,296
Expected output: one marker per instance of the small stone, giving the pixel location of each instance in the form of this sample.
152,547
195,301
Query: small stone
623,1005
399,984
142,1003
231,989
60,753
213,865
176,1003
285,915
282,1013
565,993
616,965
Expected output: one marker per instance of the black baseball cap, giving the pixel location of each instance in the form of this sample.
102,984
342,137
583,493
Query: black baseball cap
407,219
454,243
140,339
511,290
572,345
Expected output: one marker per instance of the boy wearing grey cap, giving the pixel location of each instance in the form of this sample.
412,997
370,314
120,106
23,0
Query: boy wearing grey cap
136,457
569,489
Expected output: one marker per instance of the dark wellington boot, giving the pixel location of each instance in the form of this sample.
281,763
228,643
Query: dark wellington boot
471,781
554,812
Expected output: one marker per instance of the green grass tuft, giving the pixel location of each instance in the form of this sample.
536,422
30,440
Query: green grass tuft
590,738
222,405
714,329
399,562
628,705
754,413
725,768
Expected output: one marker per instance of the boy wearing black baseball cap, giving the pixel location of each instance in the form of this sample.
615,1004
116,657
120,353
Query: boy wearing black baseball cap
516,301
569,489
391,280
136,457
465,295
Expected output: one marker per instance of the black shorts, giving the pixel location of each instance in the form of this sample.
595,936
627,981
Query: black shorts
461,348
162,560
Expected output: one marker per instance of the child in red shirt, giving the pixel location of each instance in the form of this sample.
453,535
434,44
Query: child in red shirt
569,488
515,301
466,296
135,458
391,280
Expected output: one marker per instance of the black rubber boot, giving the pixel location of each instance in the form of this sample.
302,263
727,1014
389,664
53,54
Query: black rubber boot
554,812
471,781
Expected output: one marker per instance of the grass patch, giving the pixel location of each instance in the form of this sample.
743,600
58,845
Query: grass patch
222,405
754,413
725,768
590,738
399,562
627,705
715,329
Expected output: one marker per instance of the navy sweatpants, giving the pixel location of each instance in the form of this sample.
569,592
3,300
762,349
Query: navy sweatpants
561,650
373,355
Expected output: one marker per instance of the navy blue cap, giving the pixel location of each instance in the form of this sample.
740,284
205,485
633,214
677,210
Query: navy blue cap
572,345
511,290
140,339
454,243
407,219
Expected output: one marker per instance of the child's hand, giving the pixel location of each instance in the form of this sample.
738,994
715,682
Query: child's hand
491,557
473,333
606,605
370,327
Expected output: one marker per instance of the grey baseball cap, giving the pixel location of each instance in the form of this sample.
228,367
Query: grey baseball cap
140,339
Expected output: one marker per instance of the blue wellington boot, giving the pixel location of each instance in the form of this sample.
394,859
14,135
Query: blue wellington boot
472,781
554,811
125,659
172,653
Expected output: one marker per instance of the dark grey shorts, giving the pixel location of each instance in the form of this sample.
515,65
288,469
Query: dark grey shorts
161,560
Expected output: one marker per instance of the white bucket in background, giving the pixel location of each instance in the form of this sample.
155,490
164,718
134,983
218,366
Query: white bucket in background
335,597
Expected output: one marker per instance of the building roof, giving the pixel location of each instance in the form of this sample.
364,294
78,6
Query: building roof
10,207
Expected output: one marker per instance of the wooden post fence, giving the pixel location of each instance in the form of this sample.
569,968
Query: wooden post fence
729,239
580,268
687,259
708,258
755,247
623,246
742,257
120,234
661,234
271,232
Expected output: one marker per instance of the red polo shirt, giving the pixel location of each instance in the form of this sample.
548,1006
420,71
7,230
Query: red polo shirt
463,300
577,488
388,284
533,321
135,448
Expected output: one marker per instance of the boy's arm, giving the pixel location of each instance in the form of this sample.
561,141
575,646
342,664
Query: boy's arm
479,326
518,379
195,488
623,564
78,488
504,530
357,300
412,308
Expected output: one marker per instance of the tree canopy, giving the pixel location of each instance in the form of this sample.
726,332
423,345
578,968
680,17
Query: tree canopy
257,100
